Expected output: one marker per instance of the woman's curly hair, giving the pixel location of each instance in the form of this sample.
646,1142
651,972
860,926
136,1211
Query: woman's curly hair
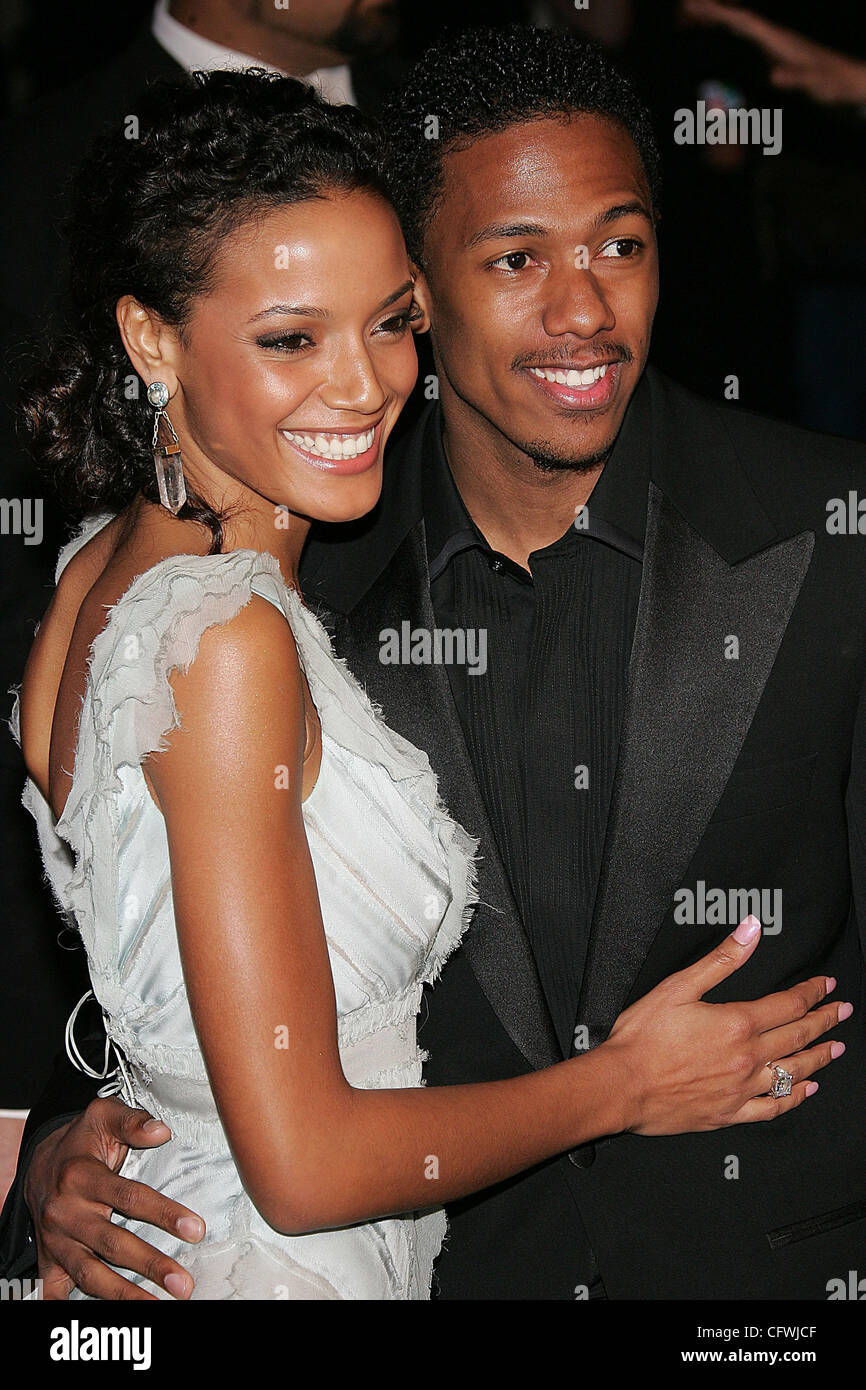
149,207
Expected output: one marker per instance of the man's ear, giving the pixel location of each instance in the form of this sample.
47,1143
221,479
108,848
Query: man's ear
151,344
421,292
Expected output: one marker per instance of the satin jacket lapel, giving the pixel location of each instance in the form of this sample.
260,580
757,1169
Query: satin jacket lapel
417,703
688,711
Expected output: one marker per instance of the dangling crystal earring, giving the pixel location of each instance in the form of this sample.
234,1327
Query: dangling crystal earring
166,457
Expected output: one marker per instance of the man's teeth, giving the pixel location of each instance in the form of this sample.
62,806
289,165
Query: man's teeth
332,446
571,378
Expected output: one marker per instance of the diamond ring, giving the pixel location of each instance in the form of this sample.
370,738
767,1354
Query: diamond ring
782,1081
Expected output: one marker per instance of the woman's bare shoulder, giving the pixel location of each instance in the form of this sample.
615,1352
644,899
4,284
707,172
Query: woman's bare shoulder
114,556
92,581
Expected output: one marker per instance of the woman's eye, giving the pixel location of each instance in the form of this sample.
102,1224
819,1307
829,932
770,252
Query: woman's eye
513,260
398,323
622,248
285,342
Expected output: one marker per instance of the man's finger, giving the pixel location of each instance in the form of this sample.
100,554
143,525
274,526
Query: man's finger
56,1283
142,1203
125,1250
135,1128
93,1277
88,1184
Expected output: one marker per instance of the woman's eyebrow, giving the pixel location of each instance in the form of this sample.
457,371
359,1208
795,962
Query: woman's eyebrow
398,294
310,311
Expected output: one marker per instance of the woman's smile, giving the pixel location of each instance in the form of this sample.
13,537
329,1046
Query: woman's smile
340,451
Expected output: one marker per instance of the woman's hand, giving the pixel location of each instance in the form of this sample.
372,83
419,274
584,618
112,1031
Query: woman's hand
697,1066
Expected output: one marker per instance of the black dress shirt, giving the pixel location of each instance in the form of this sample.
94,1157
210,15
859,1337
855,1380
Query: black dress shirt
542,722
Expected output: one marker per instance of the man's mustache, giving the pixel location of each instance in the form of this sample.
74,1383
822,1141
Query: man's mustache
584,357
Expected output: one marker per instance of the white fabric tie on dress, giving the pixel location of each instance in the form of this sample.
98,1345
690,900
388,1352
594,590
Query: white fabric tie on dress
118,1079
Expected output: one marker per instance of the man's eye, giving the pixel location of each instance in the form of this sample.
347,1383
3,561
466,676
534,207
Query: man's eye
285,342
513,260
622,248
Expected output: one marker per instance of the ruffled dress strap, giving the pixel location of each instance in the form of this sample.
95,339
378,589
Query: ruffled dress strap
127,713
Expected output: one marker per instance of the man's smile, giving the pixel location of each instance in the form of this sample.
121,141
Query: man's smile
587,388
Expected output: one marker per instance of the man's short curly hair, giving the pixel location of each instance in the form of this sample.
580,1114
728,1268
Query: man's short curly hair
482,81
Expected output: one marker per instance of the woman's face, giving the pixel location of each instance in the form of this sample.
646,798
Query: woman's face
294,367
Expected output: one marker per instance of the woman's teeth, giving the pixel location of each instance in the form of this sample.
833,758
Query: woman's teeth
571,378
332,446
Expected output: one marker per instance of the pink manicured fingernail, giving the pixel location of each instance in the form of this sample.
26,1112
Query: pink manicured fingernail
836,1050
831,983
811,1088
747,930
845,1011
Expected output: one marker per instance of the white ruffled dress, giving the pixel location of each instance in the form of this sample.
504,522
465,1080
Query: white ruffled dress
396,880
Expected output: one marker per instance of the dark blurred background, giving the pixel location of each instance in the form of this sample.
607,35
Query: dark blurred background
763,280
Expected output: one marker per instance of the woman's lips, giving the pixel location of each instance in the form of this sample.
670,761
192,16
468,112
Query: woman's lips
571,393
311,445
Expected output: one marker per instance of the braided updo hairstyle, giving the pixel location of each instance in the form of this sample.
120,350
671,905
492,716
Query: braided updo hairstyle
212,151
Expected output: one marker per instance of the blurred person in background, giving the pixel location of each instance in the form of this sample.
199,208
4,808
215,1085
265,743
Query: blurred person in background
812,210
799,63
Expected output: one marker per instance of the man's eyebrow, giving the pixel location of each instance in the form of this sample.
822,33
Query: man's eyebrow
613,214
500,231
310,311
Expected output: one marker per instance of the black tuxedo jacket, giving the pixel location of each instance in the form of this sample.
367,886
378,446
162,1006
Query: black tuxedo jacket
734,773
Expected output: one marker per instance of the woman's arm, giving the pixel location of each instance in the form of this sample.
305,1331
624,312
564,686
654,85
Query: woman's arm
313,1151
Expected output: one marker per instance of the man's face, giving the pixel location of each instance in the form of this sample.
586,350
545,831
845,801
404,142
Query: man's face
349,27
541,281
